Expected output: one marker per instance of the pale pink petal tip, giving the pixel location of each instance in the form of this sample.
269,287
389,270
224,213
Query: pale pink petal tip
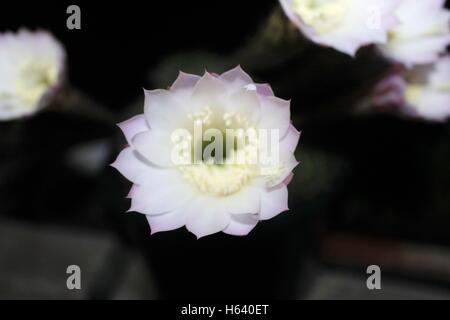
241,225
133,126
185,81
237,74
165,222
264,89
274,202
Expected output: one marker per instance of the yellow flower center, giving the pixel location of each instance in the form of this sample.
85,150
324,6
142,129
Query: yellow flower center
218,180
35,77
413,93
323,15
227,175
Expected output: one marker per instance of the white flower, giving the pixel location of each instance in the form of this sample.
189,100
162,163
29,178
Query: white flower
31,68
428,91
208,196
345,25
423,32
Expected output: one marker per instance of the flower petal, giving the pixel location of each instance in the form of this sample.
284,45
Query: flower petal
275,114
209,88
288,179
132,191
167,222
133,126
185,81
155,199
264,89
273,202
434,105
246,201
241,225
163,110
290,140
155,146
205,217
244,102
237,76
134,167
277,172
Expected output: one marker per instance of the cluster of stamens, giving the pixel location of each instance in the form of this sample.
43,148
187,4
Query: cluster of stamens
323,15
238,166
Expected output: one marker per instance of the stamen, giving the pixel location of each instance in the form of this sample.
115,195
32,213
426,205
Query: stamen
323,15
229,175
218,180
34,81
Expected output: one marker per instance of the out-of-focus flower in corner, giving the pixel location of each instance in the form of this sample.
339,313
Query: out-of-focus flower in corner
31,70
228,188
422,34
422,92
345,25
428,90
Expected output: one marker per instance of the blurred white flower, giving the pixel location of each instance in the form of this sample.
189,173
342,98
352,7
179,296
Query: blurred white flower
428,91
217,193
345,25
31,69
422,34
421,92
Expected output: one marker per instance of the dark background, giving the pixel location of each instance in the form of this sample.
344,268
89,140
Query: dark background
121,41
371,189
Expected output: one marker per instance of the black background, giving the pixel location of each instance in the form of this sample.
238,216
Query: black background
121,41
